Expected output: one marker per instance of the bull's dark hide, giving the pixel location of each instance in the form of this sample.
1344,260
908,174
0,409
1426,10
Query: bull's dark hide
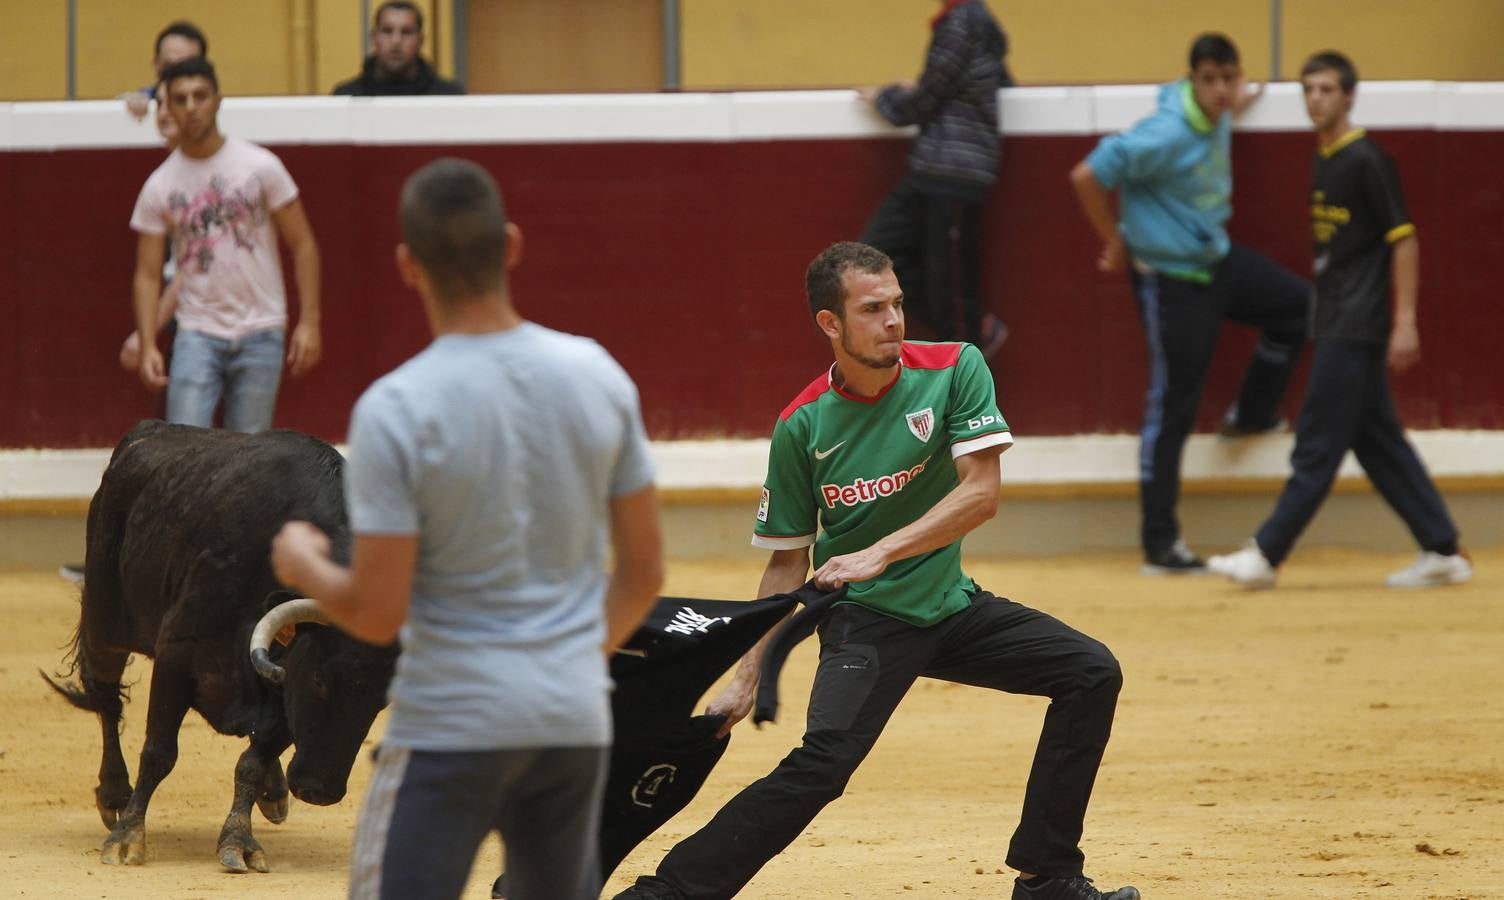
177,569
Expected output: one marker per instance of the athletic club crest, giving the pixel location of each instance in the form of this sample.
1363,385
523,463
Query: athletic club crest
921,423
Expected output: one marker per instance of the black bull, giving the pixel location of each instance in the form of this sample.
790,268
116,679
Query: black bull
177,569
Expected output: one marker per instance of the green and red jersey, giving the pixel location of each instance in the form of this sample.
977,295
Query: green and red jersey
846,471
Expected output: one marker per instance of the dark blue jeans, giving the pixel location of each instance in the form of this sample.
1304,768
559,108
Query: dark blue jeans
1182,320
426,813
935,243
1348,407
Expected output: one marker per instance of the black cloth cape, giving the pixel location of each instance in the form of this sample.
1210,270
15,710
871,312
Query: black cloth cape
663,752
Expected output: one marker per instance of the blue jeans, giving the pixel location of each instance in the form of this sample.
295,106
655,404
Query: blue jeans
245,371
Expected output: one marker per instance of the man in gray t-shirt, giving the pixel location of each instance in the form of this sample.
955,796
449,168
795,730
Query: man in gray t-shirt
491,479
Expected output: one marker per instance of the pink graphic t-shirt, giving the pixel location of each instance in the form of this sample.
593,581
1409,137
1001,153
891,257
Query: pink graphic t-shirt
217,212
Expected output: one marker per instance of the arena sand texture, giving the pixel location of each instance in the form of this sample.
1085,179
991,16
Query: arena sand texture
1328,739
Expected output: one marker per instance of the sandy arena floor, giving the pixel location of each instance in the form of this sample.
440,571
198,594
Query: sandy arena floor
1329,739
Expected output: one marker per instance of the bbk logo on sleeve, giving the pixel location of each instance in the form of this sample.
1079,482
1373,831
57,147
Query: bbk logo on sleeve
762,507
921,423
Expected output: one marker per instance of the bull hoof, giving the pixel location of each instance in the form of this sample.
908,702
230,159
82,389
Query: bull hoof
274,809
124,847
110,807
242,854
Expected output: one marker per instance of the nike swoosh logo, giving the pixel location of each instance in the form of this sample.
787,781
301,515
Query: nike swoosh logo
821,454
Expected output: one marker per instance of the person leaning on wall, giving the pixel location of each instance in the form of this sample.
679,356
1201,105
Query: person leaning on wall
930,224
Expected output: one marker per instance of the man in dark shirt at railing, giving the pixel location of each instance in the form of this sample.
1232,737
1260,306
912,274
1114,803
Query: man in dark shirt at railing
396,66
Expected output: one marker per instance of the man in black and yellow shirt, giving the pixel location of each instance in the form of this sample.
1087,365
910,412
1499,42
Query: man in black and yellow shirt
1365,242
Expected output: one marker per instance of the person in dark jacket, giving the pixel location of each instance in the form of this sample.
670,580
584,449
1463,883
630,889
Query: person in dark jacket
931,222
395,67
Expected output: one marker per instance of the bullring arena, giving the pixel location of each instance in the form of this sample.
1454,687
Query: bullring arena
1327,739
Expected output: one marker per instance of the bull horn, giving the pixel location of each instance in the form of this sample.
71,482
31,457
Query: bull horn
283,615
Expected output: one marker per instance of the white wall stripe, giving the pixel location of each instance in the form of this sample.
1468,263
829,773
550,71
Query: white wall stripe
1064,460
711,117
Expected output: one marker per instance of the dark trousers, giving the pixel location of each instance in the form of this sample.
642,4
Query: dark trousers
936,246
1348,406
1182,320
426,813
867,663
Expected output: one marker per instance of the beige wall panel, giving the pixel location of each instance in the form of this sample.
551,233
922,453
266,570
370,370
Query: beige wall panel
441,36
340,38
1400,39
797,43
1104,41
33,50
851,42
250,43
565,45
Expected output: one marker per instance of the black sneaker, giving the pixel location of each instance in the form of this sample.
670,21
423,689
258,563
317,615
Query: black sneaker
1078,888
1175,560
73,572
648,887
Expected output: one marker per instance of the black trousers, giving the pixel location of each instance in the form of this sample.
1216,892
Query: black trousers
867,663
1182,320
1349,407
936,246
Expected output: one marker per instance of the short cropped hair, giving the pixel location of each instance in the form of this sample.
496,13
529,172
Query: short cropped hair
404,5
1216,47
454,223
183,30
1332,61
192,67
823,280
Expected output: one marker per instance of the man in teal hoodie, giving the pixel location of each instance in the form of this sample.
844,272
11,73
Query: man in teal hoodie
1173,173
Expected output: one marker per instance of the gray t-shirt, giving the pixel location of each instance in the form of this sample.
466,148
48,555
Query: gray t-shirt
500,452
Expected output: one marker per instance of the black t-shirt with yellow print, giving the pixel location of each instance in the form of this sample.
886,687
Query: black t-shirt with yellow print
1357,213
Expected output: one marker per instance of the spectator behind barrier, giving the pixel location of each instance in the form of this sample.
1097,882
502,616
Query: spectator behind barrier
396,66
930,224
175,43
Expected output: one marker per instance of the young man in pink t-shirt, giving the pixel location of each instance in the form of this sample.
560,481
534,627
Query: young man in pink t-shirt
223,201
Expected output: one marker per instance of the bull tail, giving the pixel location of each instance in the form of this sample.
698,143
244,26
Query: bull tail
88,695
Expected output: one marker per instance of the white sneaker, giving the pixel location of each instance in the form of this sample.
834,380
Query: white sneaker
1247,567
1432,570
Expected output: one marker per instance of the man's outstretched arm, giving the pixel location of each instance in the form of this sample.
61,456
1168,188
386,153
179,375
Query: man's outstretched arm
968,505
786,572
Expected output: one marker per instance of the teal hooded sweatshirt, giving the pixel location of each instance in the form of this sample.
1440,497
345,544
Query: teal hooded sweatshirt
1174,177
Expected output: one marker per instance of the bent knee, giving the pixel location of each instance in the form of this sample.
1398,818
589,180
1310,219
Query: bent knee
825,763
1101,670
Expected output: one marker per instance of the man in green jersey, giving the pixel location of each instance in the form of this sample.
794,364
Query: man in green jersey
883,464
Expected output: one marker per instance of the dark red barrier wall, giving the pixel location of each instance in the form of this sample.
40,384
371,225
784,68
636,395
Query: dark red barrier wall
686,261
